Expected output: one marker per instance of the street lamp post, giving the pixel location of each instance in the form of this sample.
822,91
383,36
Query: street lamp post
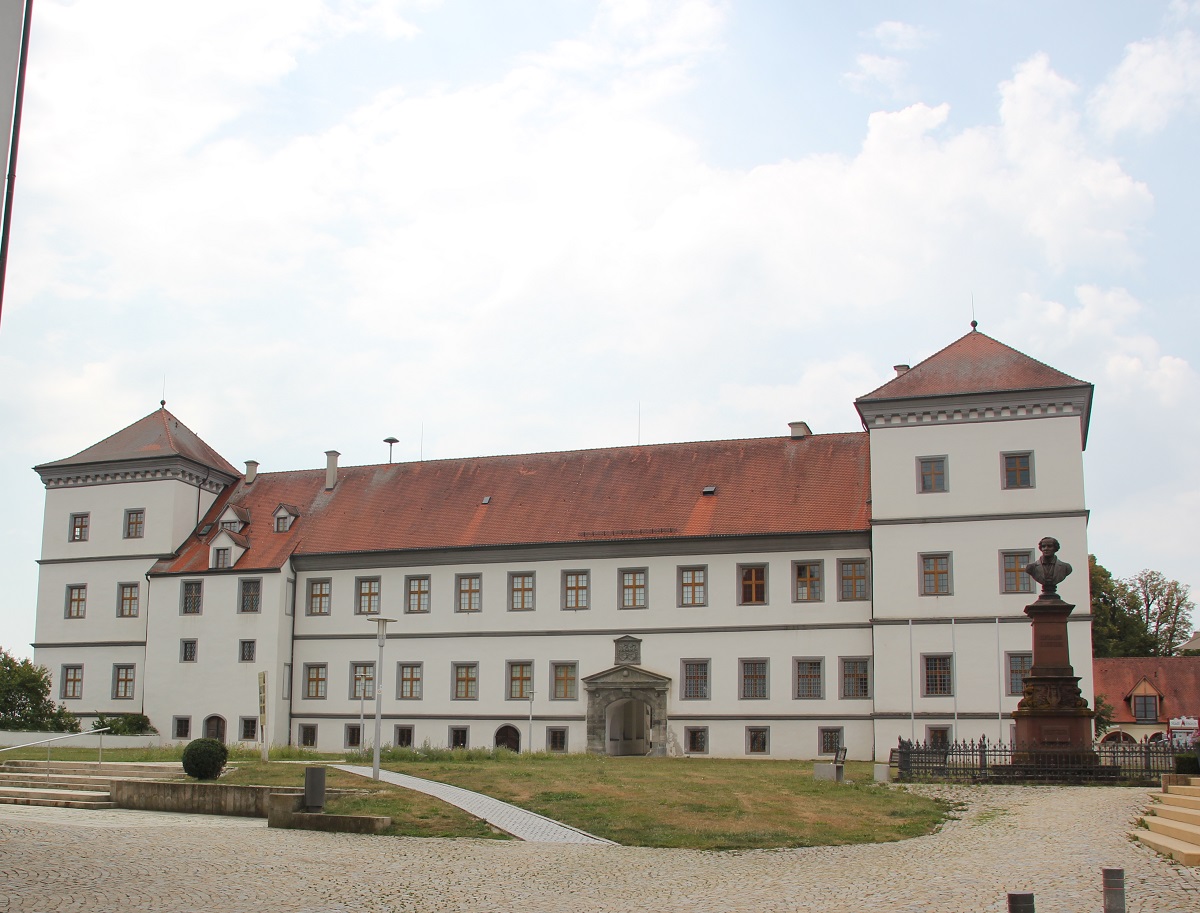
381,624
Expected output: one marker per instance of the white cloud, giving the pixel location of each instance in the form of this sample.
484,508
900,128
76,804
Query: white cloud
901,36
875,74
1156,79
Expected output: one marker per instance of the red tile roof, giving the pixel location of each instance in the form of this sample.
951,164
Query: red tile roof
1177,678
975,363
764,486
159,434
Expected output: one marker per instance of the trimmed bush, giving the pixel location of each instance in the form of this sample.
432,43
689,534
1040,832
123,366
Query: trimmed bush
204,759
1187,764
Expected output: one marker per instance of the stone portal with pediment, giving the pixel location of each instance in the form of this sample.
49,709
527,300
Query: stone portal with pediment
627,706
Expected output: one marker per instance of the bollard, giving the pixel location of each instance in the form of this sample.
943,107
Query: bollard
1114,890
1020,903
314,789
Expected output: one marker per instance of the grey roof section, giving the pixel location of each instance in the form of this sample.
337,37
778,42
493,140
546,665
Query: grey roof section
525,825
159,435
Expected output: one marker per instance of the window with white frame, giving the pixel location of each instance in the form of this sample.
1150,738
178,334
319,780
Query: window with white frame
931,474
935,574
753,679
221,558
316,681
1017,469
752,584
78,530
520,591
135,523
1013,578
362,681
123,682
466,681
520,680
469,593
807,581
76,600
632,588
565,681
852,579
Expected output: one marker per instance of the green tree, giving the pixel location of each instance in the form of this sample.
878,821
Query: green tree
1164,609
25,702
1117,628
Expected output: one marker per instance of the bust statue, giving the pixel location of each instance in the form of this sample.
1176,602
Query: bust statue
1048,570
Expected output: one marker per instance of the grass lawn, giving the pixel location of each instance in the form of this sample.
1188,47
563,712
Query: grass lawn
697,803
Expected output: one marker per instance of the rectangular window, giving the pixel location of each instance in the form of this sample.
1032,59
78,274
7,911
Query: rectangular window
72,683
221,558
752,584
362,681
852,575
249,727
830,739
695,739
466,681
565,681
187,651
315,681
353,736
939,676
404,737
127,600
416,594
135,523
758,740
575,589
935,575
1145,708
283,523
123,683
181,726
78,531
191,597
856,677
319,594
695,680
520,679
931,472
308,735
810,679
246,650
76,600
1018,470
1013,578
556,739
693,586
459,736
633,588
520,592
367,602
937,736
409,677
754,679
808,581
1019,665
232,525
250,597
470,593
285,688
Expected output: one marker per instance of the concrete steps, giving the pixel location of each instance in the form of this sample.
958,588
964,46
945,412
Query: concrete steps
63,784
1172,826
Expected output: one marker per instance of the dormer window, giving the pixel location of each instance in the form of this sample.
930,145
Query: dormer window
283,523
235,525
221,557
1145,708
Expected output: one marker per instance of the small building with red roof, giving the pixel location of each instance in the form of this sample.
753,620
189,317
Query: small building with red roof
1147,693
777,597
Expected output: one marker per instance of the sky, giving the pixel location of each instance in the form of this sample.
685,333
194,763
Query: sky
508,226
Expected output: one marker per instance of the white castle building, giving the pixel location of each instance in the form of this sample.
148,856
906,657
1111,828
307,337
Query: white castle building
775,597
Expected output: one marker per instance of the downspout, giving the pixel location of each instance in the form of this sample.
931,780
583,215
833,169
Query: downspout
912,694
954,667
146,646
291,651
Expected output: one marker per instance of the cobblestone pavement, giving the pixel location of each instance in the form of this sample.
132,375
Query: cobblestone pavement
1052,841
520,823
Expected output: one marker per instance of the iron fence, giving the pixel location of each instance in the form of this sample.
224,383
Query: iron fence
1000,762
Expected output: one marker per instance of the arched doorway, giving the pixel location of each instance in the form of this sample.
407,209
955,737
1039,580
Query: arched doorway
628,724
1118,736
508,737
214,728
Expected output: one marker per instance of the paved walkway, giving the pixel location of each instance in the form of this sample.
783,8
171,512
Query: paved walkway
1049,840
526,825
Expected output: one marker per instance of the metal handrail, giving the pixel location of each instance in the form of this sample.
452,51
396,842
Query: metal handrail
59,738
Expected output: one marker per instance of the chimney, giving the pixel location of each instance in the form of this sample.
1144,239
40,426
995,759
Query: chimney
900,369
800,430
331,469
251,471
